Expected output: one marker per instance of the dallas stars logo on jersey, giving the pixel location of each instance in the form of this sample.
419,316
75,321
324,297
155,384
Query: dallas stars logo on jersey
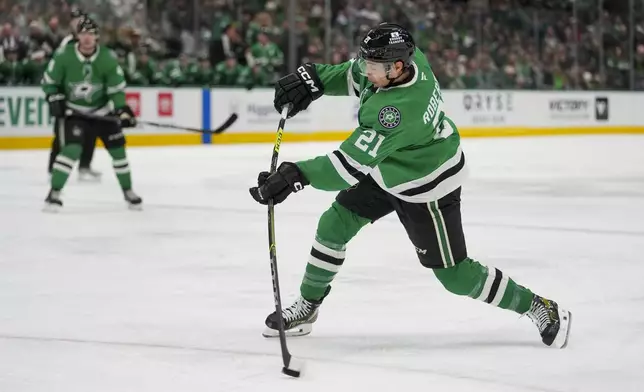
84,90
389,117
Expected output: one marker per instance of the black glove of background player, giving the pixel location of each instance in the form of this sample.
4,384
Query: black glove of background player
277,186
298,89
126,116
57,105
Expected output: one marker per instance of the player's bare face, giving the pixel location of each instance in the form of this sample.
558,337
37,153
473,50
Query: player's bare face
87,42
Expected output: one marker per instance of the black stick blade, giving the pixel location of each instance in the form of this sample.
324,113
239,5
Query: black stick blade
291,372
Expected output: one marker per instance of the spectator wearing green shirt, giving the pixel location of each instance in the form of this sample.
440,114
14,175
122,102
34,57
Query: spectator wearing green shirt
11,70
229,73
33,68
201,73
267,55
176,71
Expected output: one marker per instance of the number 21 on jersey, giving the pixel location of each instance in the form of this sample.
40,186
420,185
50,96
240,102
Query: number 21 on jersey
366,140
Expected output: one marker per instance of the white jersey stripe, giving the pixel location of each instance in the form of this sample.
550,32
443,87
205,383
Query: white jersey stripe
346,176
491,274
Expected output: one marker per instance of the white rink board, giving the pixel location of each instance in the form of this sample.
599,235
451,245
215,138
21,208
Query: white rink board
24,111
257,114
469,109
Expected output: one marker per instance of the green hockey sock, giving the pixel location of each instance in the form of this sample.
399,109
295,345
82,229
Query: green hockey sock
121,167
64,164
489,285
335,229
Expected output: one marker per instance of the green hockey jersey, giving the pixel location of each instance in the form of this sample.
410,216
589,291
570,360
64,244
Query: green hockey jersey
94,83
177,73
32,72
11,73
268,56
230,76
201,75
255,77
404,138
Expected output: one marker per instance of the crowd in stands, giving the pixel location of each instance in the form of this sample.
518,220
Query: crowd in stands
470,44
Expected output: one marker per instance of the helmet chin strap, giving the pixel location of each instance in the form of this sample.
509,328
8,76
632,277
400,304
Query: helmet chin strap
389,79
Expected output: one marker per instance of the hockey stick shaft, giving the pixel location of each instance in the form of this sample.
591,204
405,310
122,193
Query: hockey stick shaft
225,125
90,116
286,356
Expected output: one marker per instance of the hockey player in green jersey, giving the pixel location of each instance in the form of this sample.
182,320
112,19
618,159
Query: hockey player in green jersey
81,80
85,171
404,156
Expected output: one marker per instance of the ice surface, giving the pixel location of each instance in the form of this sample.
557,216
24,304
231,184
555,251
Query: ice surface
173,298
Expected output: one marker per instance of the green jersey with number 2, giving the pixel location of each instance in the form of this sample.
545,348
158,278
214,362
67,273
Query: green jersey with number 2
404,138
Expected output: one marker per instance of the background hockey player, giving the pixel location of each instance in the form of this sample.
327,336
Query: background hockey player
85,172
85,78
405,156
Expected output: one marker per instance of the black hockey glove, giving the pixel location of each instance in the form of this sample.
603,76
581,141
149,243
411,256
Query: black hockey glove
277,186
126,115
298,89
57,105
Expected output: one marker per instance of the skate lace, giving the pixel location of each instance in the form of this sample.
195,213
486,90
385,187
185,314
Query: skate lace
299,310
540,315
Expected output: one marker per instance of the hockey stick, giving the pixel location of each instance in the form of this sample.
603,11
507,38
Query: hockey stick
226,124
289,367
223,127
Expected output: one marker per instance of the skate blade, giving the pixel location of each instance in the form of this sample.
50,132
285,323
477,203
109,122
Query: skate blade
51,208
300,330
561,340
135,207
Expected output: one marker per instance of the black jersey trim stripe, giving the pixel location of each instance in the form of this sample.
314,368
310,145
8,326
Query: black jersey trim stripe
495,286
433,184
324,257
355,173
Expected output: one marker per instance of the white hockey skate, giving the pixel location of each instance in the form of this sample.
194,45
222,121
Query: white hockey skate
552,321
298,318
53,203
134,202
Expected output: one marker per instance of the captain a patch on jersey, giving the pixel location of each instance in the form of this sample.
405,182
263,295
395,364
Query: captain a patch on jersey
389,117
